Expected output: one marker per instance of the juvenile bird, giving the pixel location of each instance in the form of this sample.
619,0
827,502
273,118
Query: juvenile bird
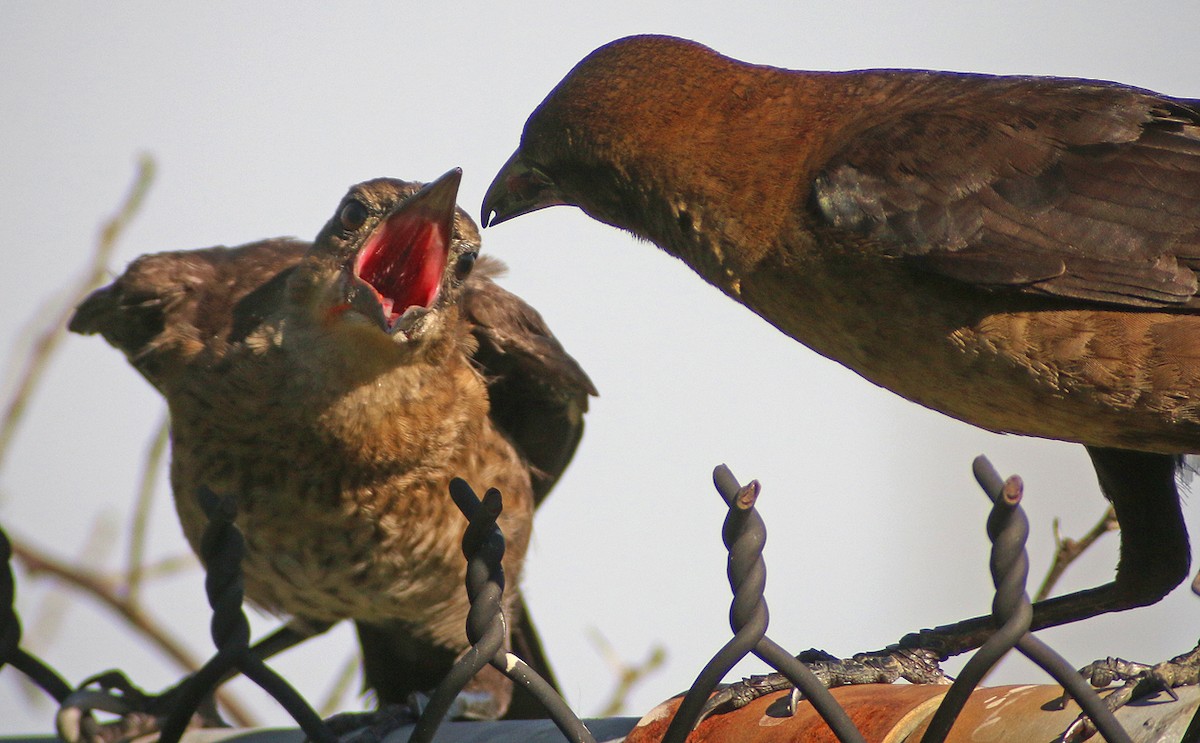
1020,253
335,389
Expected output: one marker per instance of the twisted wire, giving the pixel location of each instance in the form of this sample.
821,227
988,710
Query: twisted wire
483,546
41,674
222,548
744,535
1008,529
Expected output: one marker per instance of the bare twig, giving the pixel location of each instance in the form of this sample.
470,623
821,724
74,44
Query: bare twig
1069,549
342,682
169,566
628,675
48,339
110,593
53,608
135,572
120,595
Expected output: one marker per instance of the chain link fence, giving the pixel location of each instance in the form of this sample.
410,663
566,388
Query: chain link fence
744,535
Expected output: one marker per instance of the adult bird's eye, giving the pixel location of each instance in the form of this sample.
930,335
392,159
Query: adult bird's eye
353,215
464,264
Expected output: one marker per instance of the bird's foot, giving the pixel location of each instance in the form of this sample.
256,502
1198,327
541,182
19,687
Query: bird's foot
373,727
138,714
1138,681
880,667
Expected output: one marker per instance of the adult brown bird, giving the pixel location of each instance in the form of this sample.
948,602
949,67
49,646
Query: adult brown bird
1020,253
335,389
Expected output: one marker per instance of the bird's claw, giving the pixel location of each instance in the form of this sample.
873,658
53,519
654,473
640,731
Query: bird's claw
138,714
1138,681
735,696
879,667
373,727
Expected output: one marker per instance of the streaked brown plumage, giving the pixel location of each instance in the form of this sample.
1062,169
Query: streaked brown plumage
1016,252
335,389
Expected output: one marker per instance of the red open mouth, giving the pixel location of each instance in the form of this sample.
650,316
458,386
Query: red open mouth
404,258
403,261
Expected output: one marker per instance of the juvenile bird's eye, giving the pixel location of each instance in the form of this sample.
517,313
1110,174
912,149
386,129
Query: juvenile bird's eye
464,264
353,215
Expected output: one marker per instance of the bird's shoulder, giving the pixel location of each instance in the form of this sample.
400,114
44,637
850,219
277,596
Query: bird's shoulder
168,308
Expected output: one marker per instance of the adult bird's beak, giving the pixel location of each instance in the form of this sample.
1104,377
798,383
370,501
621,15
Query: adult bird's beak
519,188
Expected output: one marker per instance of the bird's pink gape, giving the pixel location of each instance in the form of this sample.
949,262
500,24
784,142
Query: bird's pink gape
403,262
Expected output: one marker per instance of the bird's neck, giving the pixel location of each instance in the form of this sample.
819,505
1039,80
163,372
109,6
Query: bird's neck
767,133
351,388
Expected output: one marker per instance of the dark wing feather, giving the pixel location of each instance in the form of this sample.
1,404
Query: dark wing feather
1061,187
397,662
538,392
168,308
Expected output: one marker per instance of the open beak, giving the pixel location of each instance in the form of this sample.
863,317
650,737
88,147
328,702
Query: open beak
404,259
519,188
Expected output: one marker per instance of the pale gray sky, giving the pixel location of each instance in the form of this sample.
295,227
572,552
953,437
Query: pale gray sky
260,115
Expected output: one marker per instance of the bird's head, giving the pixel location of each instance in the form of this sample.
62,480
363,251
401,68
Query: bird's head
391,262
590,142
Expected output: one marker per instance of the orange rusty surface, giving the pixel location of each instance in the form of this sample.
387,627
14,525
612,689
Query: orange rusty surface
1030,712
1000,713
881,712
900,713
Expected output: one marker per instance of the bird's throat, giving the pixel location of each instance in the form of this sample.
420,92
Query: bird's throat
403,262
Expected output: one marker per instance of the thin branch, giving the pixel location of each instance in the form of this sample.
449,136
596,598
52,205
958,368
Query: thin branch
51,336
135,571
53,608
628,675
169,566
1069,549
341,686
119,596
109,593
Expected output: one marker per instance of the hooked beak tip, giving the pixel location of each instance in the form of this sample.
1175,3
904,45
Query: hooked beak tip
519,188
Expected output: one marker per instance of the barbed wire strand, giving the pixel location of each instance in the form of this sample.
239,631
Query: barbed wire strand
222,548
744,535
41,674
483,546
1008,529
